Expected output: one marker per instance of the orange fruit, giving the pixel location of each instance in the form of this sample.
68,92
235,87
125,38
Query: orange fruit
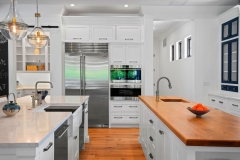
194,108
205,108
199,109
199,105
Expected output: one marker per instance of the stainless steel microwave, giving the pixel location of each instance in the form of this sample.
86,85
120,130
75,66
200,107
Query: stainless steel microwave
125,73
125,92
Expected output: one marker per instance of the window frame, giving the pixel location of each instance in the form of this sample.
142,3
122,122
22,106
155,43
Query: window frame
172,51
189,46
180,50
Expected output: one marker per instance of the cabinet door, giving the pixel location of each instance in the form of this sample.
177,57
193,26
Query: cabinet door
179,150
76,145
230,62
19,93
133,54
103,33
49,156
118,53
129,33
160,141
86,124
77,33
230,29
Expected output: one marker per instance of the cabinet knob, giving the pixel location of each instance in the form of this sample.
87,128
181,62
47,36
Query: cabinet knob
75,137
151,121
221,102
213,100
161,132
151,139
234,105
151,156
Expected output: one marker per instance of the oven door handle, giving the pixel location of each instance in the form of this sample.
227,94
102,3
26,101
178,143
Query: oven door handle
64,131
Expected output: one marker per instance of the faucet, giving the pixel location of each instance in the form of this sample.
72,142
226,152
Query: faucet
38,96
13,97
169,85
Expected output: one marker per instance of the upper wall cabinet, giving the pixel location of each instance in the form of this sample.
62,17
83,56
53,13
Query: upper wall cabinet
103,33
77,33
133,54
128,33
230,29
230,62
118,53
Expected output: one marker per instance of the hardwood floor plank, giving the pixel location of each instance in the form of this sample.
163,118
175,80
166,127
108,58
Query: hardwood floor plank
113,144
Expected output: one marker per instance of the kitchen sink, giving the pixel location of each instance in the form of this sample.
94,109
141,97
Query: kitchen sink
174,100
61,108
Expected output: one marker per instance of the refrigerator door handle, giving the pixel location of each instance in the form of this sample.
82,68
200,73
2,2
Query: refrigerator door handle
81,69
84,76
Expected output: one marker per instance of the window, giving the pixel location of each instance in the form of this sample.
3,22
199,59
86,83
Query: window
189,46
172,52
180,50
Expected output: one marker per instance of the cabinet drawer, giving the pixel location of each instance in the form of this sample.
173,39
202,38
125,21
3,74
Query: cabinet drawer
151,152
234,112
47,148
77,33
222,102
152,139
129,33
234,105
103,33
125,108
124,119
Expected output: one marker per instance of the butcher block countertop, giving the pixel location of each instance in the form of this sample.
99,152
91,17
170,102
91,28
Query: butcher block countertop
216,128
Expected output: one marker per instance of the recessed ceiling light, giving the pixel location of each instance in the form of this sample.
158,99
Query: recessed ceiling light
126,5
72,5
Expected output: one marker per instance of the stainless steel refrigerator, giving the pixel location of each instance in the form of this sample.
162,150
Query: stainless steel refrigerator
87,73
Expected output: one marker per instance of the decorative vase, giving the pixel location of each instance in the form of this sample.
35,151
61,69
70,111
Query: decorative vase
11,109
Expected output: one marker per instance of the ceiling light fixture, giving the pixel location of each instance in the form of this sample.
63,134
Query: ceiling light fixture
126,5
72,5
2,38
13,27
37,38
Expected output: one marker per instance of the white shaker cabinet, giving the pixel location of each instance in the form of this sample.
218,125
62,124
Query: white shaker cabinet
129,33
133,54
103,33
118,53
77,33
128,54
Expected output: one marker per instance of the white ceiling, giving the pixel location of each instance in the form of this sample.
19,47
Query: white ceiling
116,6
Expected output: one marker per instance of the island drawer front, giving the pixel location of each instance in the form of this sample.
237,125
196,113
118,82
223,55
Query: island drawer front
151,152
124,119
152,139
47,147
125,107
234,105
219,101
235,113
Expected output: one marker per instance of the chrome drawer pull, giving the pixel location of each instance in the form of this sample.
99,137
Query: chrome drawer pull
221,102
117,117
133,61
151,121
133,106
48,147
117,106
117,61
133,117
151,139
86,112
161,132
151,156
64,131
213,100
77,38
130,39
102,38
234,105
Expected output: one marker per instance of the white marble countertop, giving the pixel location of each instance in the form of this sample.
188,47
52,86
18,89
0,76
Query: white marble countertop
30,128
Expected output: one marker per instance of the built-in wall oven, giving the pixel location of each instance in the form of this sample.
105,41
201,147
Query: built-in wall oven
125,73
125,92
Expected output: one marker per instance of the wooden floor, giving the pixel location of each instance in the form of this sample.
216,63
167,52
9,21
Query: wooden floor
113,144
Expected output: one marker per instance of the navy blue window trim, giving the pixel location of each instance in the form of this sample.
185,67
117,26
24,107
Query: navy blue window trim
172,52
180,49
189,45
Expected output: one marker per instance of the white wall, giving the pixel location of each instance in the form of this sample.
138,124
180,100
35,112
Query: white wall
206,58
180,72
192,78
27,79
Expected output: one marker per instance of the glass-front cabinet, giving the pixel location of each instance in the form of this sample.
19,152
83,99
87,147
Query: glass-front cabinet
230,29
230,62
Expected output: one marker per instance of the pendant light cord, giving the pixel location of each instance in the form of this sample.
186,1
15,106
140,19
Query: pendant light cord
14,14
37,13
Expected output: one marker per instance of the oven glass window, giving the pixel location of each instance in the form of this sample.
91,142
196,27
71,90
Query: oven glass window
125,92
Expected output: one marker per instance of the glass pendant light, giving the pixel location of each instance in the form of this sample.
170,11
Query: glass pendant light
13,27
37,38
2,38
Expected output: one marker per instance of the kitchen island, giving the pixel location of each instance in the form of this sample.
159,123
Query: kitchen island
28,134
168,131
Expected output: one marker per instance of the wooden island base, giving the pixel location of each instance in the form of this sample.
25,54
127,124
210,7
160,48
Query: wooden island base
168,131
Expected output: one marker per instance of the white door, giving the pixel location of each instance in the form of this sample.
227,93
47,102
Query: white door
118,54
133,54
129,33
103,33
77,33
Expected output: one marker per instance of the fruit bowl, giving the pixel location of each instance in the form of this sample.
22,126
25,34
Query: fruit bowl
198,113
